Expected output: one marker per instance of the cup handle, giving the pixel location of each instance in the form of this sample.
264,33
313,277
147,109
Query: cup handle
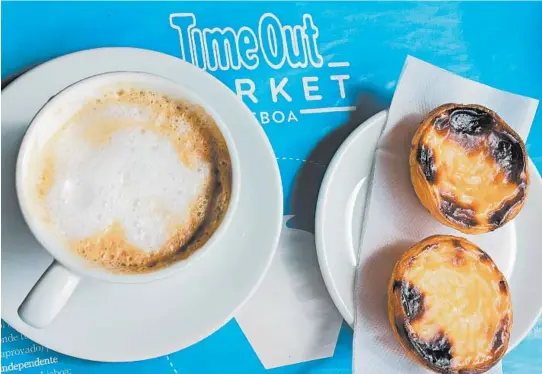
48,296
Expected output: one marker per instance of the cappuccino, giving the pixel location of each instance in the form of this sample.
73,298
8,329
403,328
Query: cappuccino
134,181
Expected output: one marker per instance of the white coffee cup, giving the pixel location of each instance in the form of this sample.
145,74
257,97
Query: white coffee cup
51,292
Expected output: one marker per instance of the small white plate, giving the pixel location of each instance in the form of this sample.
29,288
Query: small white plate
128,322
340,212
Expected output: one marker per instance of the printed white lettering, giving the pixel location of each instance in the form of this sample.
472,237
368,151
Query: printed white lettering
245,92
311,33
292,117
264,118
278,117
272,40
295,44
307,89
227,48
275,90
340,80
197,49
217,40
183,21
248,48
279,46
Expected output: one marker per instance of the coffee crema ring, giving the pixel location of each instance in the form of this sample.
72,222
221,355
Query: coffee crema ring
469,168
449,306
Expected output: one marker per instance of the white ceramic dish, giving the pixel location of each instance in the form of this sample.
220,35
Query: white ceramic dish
126,322
340,212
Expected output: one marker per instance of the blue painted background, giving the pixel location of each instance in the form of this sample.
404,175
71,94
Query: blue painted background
499,44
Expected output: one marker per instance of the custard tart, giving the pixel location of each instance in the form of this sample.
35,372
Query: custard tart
469,168
449,306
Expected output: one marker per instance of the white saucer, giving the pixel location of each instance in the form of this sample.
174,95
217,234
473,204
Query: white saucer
340,213
124,322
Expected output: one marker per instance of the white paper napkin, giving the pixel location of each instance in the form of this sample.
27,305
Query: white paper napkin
291,317
395,219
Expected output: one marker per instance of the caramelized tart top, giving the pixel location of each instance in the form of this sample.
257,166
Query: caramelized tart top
475,164
454,305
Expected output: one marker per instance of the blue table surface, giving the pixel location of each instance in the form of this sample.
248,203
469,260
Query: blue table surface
499,44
